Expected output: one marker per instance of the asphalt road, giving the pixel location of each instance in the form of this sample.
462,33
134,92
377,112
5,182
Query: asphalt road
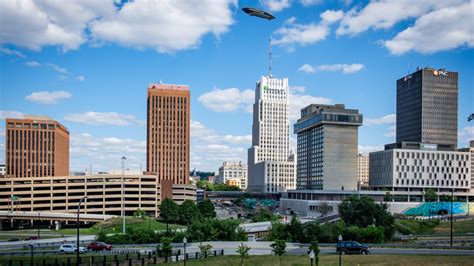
393,251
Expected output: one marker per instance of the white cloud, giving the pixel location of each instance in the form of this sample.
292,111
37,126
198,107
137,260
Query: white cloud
32,64
387,119
210,148
298,101
228,100
310,2
104,153
10,114
60,70
368,149
292,34
307,68
46,97
103,118
331,16
465,135
436,31
345,68
7,51
166,25
34,23
275,5
80,78
384,14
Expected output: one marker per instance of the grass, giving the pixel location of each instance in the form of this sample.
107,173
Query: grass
419,260
427,227
114,225
267,260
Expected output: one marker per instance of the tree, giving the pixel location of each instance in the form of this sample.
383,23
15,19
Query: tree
165,248
295,230
430,195
388,196
263,215
206,185
363,211
206,208
205,250
225,187
188,212
101,236
169,210
315,248
324,208
279,248
139,214
243,251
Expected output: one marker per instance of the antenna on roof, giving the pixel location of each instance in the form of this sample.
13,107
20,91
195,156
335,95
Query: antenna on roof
270,56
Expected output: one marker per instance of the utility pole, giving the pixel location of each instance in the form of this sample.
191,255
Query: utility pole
123,198
452,196
77,247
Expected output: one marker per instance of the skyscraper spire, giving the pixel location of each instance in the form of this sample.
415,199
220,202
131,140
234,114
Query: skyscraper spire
270,57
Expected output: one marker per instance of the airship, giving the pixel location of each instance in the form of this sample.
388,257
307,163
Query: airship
258,13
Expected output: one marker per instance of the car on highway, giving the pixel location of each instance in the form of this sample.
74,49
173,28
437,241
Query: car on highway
13,239
99,246
70,248
352,247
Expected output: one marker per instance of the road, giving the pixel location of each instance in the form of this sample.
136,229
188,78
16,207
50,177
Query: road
393,251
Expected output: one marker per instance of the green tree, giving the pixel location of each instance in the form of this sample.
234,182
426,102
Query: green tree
279,248
206,185
225,187
188,212
430,195
363,212
169,210
324,208
165,247
388,196
264,215
206,208
243,251
315,248
205,250
139,214
295,230
101,236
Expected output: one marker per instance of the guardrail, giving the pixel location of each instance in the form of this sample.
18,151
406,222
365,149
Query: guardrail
399,246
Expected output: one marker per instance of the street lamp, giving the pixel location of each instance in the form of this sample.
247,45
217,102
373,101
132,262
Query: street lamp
123,199
184,244
77,248
340,250
452,196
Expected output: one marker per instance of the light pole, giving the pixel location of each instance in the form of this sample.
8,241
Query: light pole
452,196
39,214
123,199
77,248
184,244
31,259
340,250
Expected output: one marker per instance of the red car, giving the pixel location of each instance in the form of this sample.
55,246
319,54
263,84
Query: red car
97,246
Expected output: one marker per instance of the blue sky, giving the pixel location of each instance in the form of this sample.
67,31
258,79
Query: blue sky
87,64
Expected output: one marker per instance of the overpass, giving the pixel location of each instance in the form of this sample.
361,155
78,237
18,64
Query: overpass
53,216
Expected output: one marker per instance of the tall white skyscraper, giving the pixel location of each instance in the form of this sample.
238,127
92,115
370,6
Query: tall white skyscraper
271,164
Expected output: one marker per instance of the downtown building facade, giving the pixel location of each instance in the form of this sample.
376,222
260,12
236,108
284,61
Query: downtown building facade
36,146
363,170
271,164
235,171
168,122
327,147
427,108
425,155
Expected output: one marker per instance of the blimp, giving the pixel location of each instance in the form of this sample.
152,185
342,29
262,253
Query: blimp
258,13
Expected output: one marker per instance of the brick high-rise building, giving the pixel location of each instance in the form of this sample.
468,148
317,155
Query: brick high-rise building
427,108
36,146
168,121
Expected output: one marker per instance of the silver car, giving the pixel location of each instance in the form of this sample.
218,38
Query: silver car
71,248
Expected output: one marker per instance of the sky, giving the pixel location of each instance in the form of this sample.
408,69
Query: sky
87,64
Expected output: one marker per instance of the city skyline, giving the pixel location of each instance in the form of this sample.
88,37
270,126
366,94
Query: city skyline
103,103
